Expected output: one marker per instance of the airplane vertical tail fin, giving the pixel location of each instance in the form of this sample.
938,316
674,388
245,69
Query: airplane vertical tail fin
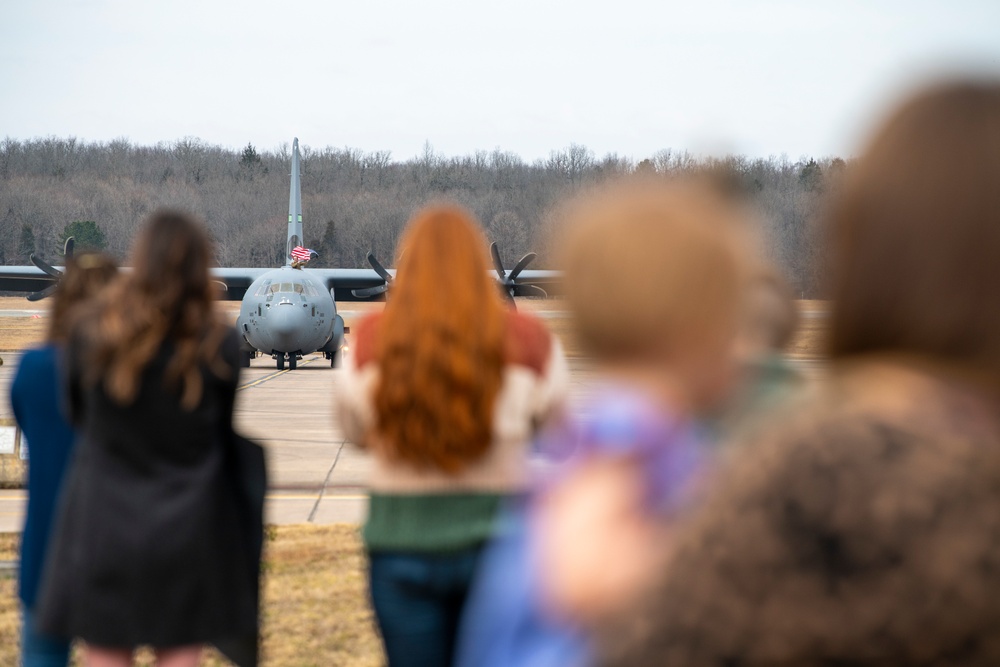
294,206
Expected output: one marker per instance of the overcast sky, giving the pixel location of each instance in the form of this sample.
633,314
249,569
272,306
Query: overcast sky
629,76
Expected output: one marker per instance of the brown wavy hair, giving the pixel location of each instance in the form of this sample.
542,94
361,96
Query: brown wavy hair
166,298
916,233
84,276
440,345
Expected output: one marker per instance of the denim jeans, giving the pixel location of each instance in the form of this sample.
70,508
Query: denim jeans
418,600
39,650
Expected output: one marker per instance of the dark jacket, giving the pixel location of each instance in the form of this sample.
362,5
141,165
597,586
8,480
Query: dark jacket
158,541
36,400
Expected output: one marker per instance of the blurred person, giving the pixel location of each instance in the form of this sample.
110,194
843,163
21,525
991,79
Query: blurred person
631,454
445,388
867,530
155,540
36,401
766,379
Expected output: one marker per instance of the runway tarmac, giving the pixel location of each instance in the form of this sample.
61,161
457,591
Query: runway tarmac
315,474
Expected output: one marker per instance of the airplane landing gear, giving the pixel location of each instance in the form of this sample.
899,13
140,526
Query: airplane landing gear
293,360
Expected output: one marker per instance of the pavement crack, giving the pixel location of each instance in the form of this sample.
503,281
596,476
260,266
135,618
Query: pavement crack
326,480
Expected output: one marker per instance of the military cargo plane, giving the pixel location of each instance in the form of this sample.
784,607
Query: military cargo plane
291,311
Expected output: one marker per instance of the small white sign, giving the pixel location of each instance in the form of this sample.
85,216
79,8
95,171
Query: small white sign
24,447
8,439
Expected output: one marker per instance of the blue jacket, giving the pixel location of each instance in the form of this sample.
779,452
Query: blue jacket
502,623
36,397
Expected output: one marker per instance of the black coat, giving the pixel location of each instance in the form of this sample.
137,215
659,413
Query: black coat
158,540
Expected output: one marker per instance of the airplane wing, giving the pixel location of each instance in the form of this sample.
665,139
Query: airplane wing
24,279
27,279
344,281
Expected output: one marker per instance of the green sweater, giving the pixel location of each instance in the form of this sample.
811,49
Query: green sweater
432,522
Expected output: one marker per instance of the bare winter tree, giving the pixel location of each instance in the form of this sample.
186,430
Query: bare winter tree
356,201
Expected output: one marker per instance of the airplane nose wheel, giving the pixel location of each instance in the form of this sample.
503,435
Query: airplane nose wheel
293,361
281,362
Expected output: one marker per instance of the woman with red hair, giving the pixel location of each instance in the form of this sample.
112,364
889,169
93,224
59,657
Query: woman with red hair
445,388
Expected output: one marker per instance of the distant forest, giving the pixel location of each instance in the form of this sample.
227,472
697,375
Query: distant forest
355,201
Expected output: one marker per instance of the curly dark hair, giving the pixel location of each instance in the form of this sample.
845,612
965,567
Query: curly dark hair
865,534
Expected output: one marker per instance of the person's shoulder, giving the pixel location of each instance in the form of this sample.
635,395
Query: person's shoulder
364,339
37,368
227,341
864,419
38,358
528,342
230,337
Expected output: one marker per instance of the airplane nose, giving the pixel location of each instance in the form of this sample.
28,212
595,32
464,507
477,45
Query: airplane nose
287,322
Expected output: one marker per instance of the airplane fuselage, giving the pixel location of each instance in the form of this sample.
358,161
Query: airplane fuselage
288,313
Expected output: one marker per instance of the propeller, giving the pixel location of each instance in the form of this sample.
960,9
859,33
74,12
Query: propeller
51,270
508,281
369,292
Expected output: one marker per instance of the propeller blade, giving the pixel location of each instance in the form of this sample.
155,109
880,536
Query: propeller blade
508,296
68,248
497,262
527,259
48,291
529,290
45,266
379,269
369,292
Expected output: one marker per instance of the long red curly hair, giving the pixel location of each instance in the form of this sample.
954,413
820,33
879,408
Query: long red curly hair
440,345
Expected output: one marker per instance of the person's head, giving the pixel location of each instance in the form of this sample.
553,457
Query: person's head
440,344
916,233
167,295
170,262
84,276
653,278
769,316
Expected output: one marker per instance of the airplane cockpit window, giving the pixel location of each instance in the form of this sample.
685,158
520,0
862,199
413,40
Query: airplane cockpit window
282,287
287,288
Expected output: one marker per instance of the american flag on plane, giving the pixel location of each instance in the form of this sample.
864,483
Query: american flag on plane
300,254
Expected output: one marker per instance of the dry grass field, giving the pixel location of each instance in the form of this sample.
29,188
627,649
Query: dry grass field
315,608
17,333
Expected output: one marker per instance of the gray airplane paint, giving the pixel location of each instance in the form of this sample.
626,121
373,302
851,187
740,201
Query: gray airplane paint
286,312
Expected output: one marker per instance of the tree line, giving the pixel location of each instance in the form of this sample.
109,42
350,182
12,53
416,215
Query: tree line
355,201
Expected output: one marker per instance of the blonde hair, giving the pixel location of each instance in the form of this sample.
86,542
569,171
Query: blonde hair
651,267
